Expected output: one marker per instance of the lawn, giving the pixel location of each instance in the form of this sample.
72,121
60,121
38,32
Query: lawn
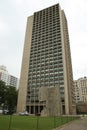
8,122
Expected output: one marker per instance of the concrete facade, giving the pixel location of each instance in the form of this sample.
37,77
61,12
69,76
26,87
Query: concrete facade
46,62
24,69
51,98
81,107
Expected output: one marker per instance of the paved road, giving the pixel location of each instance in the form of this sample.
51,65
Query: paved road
75,125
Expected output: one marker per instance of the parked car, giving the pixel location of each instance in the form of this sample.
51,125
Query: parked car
4,112
24,113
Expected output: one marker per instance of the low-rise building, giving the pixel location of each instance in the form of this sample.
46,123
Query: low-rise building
80,88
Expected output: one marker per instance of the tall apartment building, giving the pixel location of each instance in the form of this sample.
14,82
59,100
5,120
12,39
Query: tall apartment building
7,78
4,74
80,88
46,61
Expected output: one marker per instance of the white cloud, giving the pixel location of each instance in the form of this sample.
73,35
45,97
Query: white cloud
13,16
4,28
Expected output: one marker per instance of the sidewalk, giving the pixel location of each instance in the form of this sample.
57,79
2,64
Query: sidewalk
80,124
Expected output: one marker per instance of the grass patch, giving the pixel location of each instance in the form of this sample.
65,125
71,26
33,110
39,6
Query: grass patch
31,122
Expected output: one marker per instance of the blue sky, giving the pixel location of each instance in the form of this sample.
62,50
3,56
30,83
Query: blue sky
13,17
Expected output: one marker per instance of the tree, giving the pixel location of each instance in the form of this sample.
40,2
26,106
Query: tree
11,98
8,97
2,92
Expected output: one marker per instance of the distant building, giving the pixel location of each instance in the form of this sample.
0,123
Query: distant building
7,78
13,81
4,75
80,88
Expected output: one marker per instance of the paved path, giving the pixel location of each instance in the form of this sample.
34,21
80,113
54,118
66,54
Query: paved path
75,125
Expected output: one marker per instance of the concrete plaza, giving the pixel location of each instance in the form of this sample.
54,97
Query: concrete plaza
80,124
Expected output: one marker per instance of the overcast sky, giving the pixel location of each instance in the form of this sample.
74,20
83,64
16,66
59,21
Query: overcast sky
13,17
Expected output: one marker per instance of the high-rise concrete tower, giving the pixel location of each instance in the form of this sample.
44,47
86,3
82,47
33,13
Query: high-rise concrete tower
46,61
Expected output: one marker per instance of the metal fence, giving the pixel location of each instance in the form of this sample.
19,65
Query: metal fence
16,122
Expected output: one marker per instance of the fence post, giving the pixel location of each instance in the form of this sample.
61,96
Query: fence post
10,122
54,121
37,122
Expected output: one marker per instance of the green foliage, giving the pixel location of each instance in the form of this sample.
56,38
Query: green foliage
11,98
2,92
8,97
